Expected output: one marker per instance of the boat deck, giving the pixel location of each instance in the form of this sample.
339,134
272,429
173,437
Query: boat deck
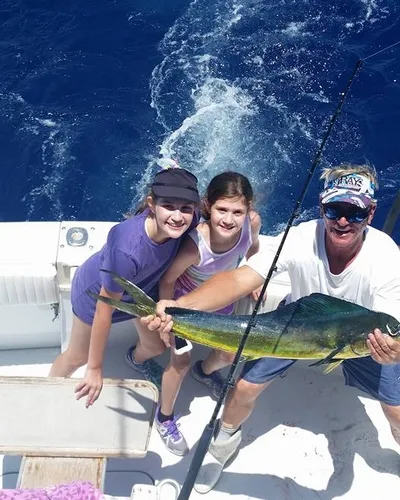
309,437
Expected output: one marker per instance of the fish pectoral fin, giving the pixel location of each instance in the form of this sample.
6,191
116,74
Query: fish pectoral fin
249,358
329,358
332,365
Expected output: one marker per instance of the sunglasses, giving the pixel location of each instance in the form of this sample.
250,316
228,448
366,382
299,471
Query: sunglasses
352,215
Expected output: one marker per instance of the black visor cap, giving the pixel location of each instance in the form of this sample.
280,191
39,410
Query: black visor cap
176,183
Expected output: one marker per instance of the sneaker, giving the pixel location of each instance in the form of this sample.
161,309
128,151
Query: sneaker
219,456
214,381
150,369
171,435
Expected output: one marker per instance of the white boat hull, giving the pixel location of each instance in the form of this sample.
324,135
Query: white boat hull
309,437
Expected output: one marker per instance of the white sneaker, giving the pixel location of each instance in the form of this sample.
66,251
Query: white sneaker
216,459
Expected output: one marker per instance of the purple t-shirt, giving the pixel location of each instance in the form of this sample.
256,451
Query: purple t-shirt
130,253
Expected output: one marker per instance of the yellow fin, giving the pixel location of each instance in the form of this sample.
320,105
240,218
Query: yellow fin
332,366
249,358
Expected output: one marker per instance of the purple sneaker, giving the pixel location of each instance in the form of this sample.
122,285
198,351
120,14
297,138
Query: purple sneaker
171,435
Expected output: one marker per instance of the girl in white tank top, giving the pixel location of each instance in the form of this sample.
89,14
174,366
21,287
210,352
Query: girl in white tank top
228,233
211,262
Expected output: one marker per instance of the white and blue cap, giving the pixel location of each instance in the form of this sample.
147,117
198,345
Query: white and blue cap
355,189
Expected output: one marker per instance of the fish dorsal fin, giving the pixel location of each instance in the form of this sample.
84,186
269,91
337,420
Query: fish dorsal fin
318,304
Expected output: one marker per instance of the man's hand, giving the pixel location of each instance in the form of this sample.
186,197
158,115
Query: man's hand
160,321
384,349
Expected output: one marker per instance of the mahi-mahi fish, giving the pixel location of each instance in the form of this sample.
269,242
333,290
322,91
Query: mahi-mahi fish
317,327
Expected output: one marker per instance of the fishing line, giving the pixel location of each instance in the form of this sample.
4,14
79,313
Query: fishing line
210,428
382,50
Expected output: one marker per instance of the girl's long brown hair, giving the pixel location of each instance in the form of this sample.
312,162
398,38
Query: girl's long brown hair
227,185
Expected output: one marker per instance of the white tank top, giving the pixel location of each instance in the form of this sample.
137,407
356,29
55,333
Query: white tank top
211,262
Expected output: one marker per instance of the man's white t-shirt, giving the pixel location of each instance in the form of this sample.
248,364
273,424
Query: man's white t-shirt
372,280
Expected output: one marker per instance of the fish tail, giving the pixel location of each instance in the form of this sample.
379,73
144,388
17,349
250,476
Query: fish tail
135,292
143,305
117,304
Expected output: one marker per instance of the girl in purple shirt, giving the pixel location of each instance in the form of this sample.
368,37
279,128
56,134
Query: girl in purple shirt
140,249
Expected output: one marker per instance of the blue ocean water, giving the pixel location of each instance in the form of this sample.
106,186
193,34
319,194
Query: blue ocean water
92,93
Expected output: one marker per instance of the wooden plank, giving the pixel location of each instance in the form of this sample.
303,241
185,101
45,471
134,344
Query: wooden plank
40,416
42,472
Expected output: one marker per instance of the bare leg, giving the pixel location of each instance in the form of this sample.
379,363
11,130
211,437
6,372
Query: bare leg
172,380
77,352
216,360
240,403
149,345
392,413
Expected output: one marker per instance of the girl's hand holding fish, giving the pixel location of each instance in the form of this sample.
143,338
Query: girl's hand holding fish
384,349
167,338
256,293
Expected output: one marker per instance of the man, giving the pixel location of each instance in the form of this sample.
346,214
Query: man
338,255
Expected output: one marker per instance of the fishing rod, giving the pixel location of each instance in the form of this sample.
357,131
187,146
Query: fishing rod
210,428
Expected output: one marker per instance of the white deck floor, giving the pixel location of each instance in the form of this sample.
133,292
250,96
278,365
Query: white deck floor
309,437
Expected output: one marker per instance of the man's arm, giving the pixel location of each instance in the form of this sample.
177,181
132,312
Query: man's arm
385,349
222,289
216,293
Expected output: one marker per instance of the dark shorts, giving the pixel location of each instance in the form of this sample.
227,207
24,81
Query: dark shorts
382,382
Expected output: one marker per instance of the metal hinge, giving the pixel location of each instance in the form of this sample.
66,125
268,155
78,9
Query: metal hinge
55,306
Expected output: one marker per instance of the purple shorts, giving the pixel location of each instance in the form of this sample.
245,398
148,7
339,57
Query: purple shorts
382,382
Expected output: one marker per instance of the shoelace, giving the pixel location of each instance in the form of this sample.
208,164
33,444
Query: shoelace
171,428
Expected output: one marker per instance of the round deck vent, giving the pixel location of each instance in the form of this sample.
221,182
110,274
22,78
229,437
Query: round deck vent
77,236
